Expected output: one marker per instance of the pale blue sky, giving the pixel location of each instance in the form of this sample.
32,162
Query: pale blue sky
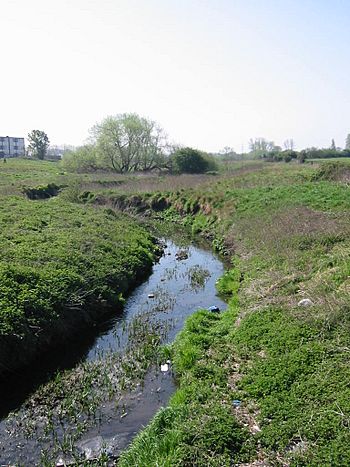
212,73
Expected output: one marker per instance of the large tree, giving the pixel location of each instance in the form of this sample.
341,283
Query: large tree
38,144
127,142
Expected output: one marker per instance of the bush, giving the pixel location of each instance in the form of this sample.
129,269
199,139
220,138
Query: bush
42,192
80,160
333,171
188,160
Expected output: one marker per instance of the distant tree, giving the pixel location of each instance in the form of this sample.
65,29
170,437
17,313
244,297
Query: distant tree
38,144
333,146
227,150
228,154
188,160
260,147
347,142
289,145
127,142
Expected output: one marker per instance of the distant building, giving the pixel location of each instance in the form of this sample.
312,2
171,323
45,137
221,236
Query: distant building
11,147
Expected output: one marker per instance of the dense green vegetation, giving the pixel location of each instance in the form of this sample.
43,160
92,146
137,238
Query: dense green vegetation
37,274
265,381
61,265
285,363
188,160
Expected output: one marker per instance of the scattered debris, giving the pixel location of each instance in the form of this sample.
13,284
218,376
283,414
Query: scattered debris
214,309
164,367
181,255
305,302
60,463
255,429
297,447
91,448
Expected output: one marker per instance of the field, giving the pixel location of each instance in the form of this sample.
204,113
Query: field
264,383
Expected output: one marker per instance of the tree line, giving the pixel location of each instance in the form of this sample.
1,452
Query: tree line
261,148
127,142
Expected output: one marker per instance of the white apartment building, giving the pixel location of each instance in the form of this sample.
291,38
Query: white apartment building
11,147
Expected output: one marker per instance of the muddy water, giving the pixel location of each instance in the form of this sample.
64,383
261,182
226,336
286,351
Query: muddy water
181,282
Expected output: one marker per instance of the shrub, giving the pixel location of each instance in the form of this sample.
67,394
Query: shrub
81,160
333,171
42,192
188,160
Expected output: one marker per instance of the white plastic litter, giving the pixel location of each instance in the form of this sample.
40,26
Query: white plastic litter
305,302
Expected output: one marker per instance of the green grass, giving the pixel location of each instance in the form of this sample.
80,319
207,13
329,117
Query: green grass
287,364
198,427
286,230
58,261
105,252
300,386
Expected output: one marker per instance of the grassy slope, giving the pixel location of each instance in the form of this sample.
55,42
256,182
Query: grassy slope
287,364
288,234
57,260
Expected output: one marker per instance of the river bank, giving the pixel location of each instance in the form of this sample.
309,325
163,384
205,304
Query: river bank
63,267
265,382
119,386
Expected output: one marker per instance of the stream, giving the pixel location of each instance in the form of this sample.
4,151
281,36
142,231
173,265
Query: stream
182,282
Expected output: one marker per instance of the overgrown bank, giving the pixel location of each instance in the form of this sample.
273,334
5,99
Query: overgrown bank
62,267
199,427
266,381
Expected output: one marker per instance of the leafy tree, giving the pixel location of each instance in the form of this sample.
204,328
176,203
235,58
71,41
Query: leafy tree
188,160
38,144
333,146
127,142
